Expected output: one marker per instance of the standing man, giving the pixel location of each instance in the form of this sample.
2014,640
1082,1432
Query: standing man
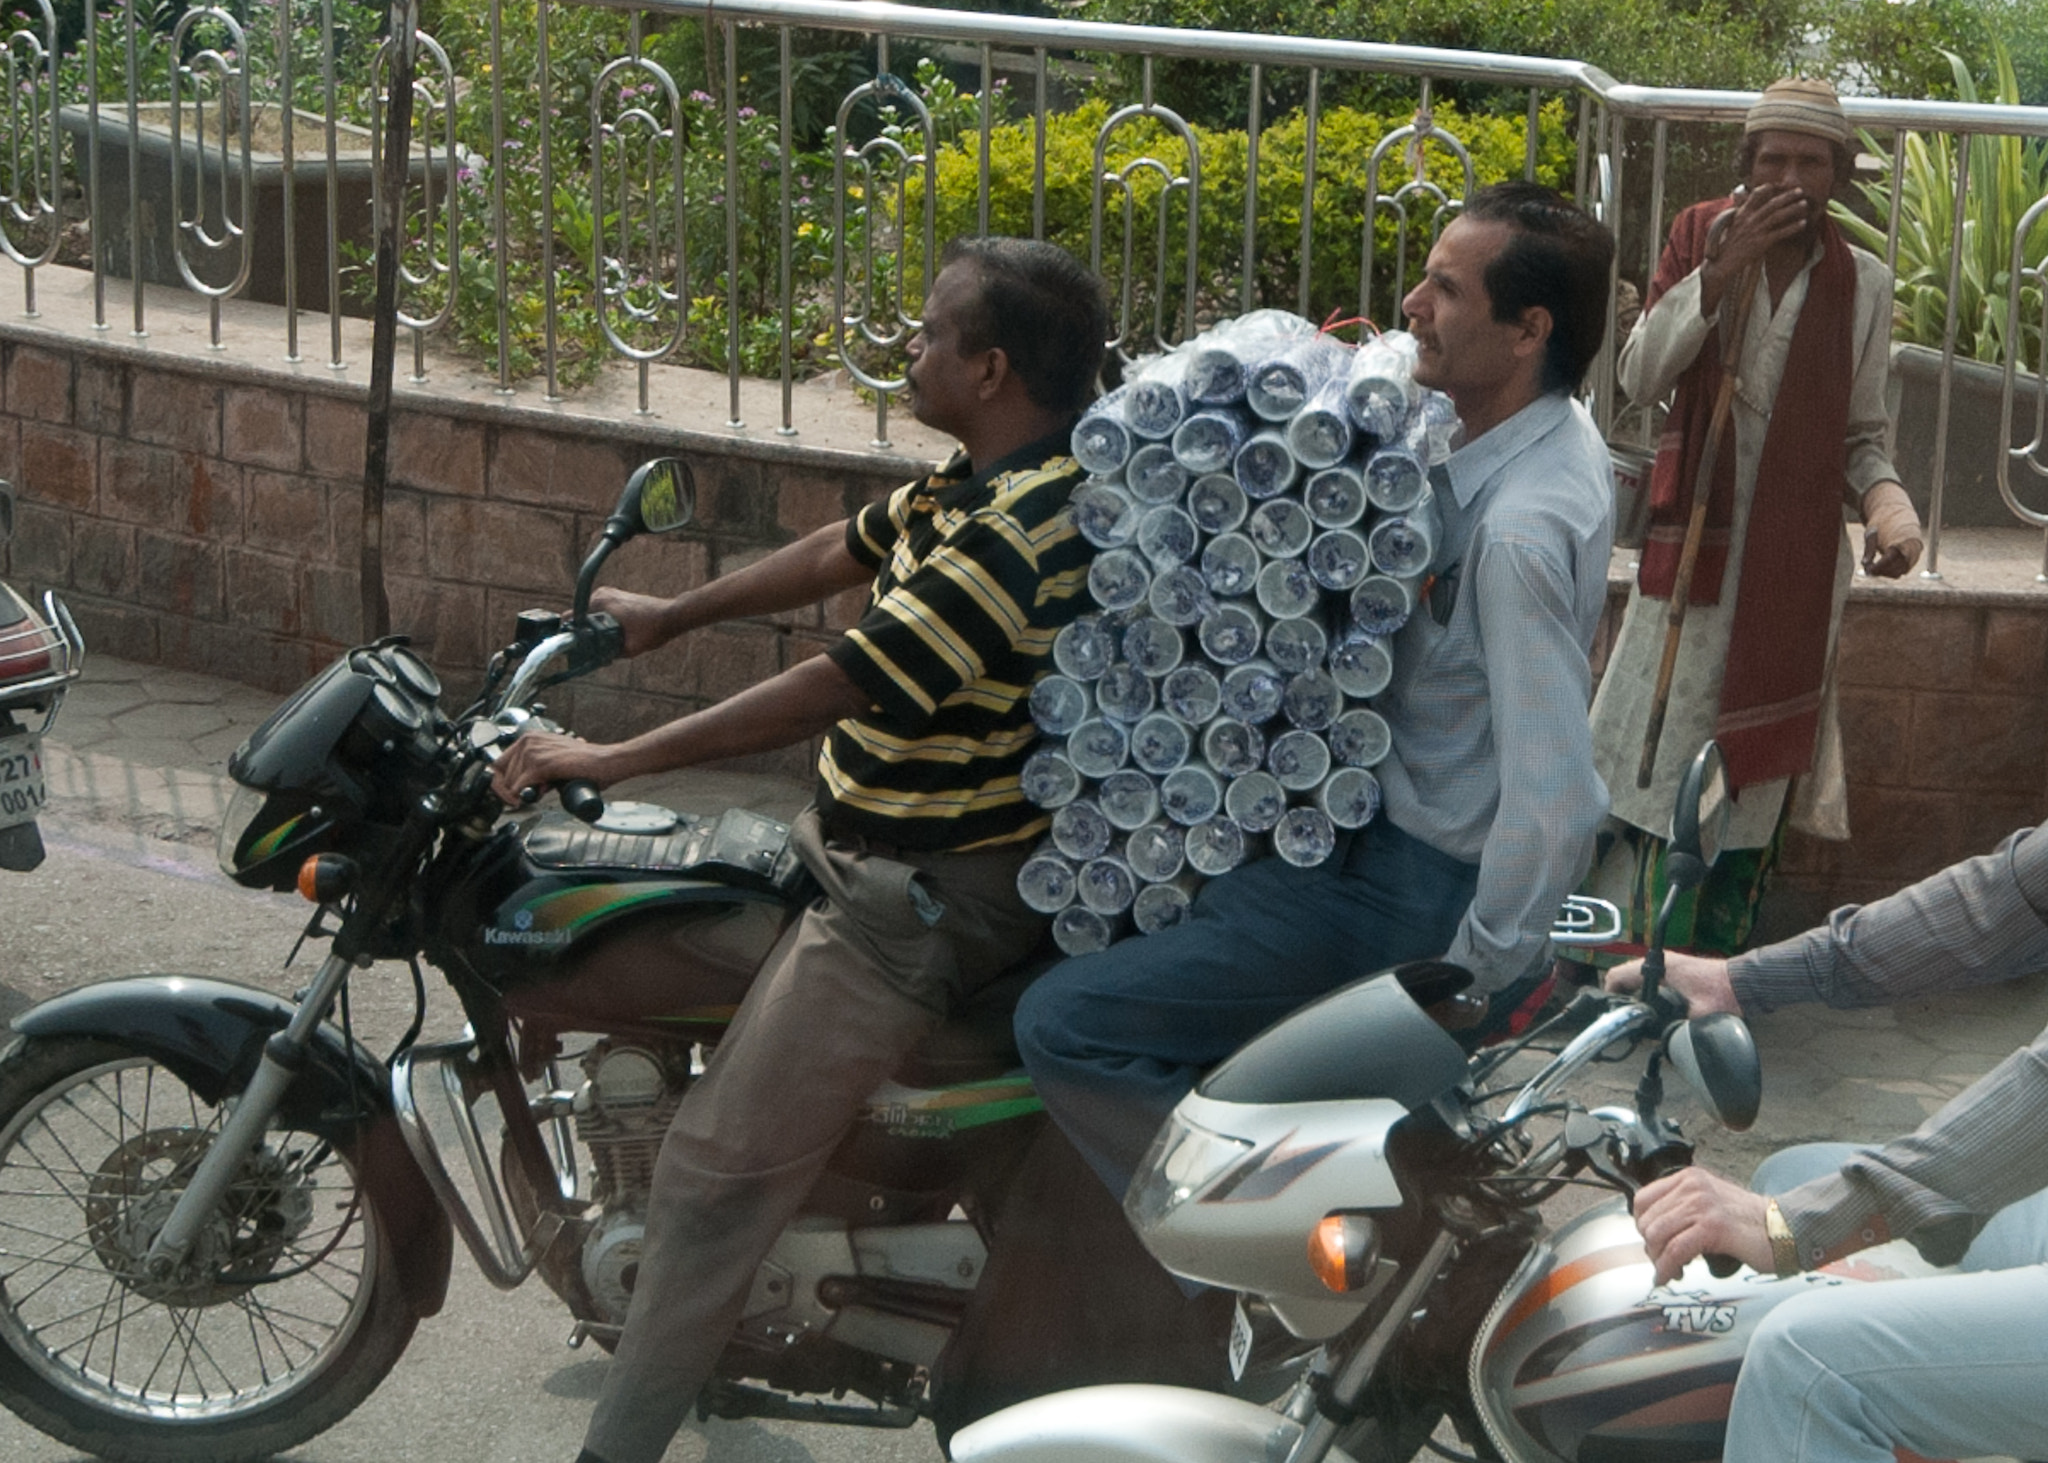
918,827
1948,1367
1807,435
1491,797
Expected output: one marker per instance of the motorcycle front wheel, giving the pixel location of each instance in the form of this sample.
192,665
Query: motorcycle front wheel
287,1313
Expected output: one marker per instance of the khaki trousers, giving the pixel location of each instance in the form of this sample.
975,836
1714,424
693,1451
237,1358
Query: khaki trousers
864,975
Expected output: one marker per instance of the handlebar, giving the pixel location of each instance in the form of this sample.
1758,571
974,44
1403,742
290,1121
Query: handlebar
581,800
1604,1032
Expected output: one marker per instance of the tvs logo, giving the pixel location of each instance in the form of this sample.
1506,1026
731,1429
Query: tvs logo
1699,1320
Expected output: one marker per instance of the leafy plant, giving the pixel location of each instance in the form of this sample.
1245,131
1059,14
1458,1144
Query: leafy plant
2006,176
1345,141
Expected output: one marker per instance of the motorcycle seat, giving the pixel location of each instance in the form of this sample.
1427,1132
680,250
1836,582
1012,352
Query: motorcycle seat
976,1043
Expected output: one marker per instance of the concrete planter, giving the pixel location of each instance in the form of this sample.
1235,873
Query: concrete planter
151,215
1970,498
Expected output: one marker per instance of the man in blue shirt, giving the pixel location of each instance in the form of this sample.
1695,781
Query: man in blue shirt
1491,796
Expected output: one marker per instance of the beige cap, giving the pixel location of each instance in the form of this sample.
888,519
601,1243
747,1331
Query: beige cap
1799,104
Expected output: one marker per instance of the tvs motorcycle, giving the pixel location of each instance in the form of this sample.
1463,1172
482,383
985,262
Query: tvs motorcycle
221,1216
41,653
1378,1195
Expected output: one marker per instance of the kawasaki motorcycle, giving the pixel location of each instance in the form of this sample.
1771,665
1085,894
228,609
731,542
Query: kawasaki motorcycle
41,654
221,1217
1378,1195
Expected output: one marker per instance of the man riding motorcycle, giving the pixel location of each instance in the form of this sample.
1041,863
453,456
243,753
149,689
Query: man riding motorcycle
918,827
1951,1366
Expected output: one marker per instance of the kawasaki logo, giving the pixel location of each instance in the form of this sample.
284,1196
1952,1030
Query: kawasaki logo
526,937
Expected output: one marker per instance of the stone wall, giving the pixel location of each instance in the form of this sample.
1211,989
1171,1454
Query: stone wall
207,517
204,515
1944,707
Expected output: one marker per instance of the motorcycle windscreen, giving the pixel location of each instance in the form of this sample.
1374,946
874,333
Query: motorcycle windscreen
1364,1040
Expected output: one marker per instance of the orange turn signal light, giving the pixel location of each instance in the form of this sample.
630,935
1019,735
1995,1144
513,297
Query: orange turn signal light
1343,1249
326,877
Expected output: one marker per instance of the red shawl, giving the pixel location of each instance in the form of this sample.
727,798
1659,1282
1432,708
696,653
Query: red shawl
1777,657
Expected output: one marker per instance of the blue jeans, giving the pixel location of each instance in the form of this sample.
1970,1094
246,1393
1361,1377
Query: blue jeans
1950,1367
1113,1040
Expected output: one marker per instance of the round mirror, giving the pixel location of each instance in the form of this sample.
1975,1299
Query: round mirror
666,495
1717,1057
1699,818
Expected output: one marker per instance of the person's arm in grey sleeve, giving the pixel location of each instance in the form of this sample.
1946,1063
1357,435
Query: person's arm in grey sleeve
1938,1186
1975,923
1551,799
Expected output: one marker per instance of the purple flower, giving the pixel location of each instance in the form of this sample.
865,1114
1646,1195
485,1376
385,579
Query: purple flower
701,96
747,114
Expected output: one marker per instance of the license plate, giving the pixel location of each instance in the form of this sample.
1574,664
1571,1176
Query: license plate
22,793
1240,1340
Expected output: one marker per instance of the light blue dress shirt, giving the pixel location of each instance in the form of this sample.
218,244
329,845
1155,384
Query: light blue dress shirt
1492,757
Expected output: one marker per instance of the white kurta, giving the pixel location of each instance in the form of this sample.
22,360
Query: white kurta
1665,341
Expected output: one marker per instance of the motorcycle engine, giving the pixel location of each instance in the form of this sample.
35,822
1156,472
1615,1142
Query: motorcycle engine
634,1093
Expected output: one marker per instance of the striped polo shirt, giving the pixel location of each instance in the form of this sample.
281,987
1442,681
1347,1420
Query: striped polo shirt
975,575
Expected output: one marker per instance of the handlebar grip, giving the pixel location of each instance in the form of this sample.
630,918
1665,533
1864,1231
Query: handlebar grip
1722,1266
581,800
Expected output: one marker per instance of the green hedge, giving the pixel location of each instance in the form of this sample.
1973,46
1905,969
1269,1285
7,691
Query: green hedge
1344,143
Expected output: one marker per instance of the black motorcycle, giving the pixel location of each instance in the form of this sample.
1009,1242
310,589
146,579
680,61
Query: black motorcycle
221,1217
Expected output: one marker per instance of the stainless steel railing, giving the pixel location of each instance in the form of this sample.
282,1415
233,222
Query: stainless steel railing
1144,224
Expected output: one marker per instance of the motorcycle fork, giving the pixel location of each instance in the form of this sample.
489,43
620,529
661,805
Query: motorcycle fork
284,1055
1339,1397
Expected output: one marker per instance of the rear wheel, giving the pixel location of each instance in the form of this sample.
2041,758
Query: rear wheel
287,1313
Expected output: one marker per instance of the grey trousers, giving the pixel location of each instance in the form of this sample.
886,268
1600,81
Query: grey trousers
1955,1366
864,974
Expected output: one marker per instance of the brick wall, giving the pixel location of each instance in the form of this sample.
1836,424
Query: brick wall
208,519
1944,735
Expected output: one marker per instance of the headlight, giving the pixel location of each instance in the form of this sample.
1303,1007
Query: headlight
243,809
1185,1159
264,837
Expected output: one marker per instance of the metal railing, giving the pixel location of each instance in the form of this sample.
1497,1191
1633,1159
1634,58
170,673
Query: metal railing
1143,229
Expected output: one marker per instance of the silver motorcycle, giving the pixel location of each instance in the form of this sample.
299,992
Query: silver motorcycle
41,654
1377,1196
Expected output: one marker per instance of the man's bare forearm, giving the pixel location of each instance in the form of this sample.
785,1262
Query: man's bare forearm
815,567
804,701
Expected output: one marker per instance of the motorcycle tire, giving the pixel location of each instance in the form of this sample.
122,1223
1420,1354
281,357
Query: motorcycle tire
287,1315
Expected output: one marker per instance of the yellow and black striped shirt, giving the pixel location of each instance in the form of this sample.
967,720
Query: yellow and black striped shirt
976,574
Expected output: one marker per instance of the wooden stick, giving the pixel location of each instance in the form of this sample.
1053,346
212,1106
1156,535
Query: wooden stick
1696,523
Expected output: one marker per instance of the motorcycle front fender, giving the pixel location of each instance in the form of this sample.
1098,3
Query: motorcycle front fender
1130,1424
210,1033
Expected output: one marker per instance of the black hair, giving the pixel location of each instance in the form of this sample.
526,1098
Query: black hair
1845,161
1040,306
1557,257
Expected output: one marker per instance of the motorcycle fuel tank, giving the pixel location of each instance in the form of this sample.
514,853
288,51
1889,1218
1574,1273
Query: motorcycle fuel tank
647,917
1584,1360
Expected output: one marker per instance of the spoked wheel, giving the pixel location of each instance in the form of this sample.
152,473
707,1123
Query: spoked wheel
285,1315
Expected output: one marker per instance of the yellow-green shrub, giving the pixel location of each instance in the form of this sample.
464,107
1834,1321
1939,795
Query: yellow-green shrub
1344,144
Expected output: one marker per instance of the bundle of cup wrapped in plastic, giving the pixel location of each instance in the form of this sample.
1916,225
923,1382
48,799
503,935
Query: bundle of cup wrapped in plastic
1260,503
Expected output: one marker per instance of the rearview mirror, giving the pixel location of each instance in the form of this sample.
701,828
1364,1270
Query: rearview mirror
660,497
1717,1057
1699,819
664,493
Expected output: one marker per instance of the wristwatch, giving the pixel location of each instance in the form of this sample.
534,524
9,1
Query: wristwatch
1784,1249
